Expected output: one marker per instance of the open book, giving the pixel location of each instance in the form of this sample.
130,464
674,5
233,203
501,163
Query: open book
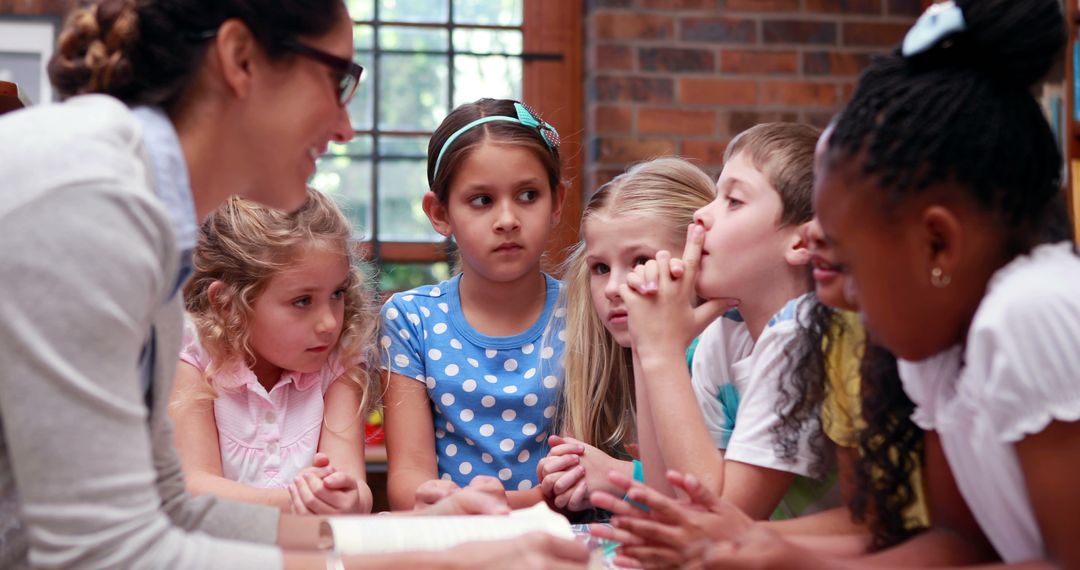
374,534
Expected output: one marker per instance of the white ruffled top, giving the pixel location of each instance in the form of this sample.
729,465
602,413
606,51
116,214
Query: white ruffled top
1019,371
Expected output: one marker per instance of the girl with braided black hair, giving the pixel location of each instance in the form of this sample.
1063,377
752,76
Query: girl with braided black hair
941,193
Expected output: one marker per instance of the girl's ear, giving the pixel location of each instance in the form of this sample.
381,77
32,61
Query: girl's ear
943,239
438,214
797,253
558,197
215,294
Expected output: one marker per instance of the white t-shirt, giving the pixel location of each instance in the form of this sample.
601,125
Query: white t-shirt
1020,371
736,382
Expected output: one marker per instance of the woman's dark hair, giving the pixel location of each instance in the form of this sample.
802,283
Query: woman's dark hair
148,52
503,132
890,452
803,385
962,111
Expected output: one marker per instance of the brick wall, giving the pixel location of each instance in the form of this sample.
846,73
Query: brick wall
56,8
684,76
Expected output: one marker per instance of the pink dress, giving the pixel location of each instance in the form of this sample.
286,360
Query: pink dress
266,439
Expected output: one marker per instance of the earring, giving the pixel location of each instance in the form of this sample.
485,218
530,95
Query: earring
939,279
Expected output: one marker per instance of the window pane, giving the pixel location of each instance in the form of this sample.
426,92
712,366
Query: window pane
347,180
394,277
403,146
363,38
493,12
360,108
413,39
414,10
361,9
491,76
359,147
402,184
414,96
488,41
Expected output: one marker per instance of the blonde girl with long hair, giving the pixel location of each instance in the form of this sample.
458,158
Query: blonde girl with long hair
273,377
642,211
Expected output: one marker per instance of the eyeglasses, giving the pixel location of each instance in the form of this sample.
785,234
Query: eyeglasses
350,71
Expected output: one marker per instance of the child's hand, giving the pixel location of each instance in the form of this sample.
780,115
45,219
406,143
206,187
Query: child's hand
570,488
322,490
671,532
433,491
560,473
660,295
759,547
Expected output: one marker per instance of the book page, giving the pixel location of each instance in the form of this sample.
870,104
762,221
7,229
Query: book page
376,534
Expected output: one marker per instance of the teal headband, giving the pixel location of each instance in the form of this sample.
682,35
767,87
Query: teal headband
524,116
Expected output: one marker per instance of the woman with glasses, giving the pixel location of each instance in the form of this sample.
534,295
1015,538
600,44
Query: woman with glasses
173,106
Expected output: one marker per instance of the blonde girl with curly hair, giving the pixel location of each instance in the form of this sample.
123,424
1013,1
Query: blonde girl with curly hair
273,380
640,212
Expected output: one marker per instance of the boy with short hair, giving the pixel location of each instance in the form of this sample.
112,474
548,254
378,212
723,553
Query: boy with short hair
746,249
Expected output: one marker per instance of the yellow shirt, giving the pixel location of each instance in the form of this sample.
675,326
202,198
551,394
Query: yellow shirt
841,412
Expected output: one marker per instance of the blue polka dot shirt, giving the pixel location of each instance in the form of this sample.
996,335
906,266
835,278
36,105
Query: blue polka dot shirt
493,398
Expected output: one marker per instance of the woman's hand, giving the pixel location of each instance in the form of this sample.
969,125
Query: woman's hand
537,551
483,496
434,490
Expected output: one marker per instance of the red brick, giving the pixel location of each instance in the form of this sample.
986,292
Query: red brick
873,33
800,93
608,58
36,7
835,63
676,59
757,61
819,120
676,121
845,6
742,120
604,175
609,119
717,91
629,25
684,4
630,150
798,32
645,89
718,30
763,5
848,91
706,152
591,5
905,7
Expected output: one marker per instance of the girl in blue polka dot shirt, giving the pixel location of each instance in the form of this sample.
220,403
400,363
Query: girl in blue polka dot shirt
473,364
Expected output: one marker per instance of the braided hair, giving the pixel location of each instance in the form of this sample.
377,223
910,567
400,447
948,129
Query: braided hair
962,111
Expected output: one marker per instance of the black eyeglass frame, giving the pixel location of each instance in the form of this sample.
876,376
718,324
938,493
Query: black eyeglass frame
351,72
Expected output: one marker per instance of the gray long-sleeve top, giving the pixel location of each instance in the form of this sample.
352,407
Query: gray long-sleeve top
89,477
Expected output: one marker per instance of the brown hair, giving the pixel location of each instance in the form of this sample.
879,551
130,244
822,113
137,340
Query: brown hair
149,52
243,245
598,399
502,132
784,153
